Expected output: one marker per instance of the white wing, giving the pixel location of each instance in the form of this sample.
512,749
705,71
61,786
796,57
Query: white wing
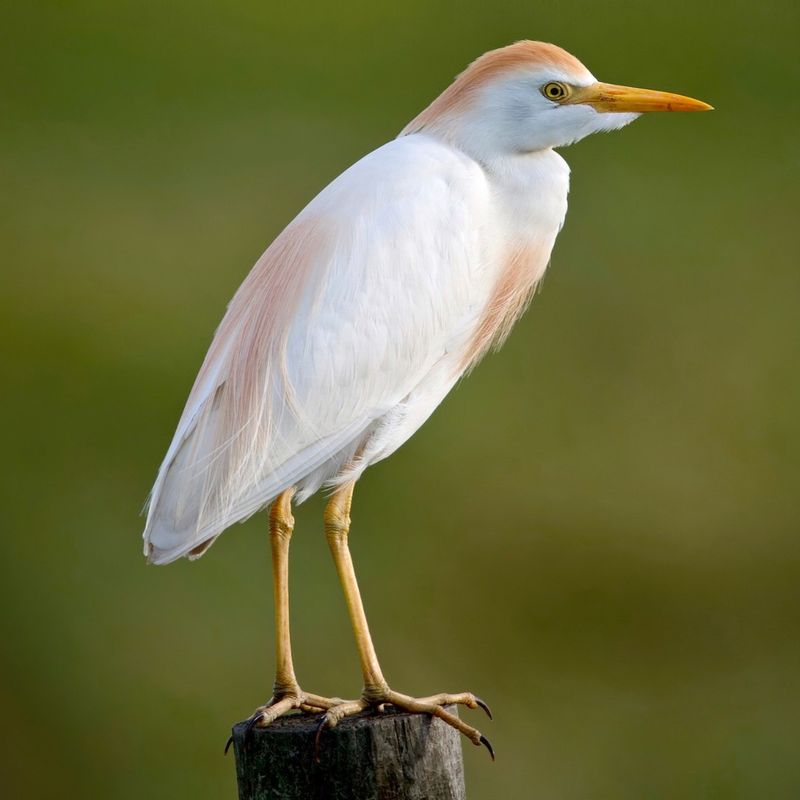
339,320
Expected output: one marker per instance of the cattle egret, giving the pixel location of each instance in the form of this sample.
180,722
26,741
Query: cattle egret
365,311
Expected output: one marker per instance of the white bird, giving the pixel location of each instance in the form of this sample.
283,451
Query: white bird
365,311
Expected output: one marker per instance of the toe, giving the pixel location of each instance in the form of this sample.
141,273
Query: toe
332,717
435,706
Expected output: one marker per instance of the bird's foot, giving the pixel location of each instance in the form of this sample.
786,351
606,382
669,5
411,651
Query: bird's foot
285,702
434,705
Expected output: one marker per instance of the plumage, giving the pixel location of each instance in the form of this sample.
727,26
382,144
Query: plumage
363,313
325,338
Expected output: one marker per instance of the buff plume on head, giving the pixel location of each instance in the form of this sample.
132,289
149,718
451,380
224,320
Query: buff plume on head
530,96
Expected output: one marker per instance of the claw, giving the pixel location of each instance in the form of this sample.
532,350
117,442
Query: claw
484,707
488,744
318,736
228,744
251,723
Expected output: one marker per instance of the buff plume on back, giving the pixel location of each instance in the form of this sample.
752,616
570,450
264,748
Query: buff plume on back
228,440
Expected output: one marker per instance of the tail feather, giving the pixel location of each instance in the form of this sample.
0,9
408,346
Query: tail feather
178,521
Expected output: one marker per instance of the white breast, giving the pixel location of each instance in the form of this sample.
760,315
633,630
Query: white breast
529,204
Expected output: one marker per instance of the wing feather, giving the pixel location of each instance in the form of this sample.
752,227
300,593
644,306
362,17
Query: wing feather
337,322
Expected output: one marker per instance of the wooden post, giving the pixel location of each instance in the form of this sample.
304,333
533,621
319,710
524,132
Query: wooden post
388,756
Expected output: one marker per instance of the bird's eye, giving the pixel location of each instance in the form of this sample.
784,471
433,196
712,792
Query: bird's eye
555,90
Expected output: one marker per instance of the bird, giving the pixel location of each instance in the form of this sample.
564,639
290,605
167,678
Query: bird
360,317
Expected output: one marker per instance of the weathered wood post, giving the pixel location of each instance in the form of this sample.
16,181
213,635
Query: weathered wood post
388,756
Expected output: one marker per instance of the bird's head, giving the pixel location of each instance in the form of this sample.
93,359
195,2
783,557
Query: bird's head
531,96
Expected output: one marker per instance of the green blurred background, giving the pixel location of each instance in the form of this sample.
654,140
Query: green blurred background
597,531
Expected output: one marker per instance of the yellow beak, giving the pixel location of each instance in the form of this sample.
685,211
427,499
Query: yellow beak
605,97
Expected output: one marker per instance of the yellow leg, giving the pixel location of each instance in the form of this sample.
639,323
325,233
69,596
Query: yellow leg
286,694
337,528
376,690
281,526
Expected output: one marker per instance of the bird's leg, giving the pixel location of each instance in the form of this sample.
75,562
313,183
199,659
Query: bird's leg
337,528
286,692
281,527
377,692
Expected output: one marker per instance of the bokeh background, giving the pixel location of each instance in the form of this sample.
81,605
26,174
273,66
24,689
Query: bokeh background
598,531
